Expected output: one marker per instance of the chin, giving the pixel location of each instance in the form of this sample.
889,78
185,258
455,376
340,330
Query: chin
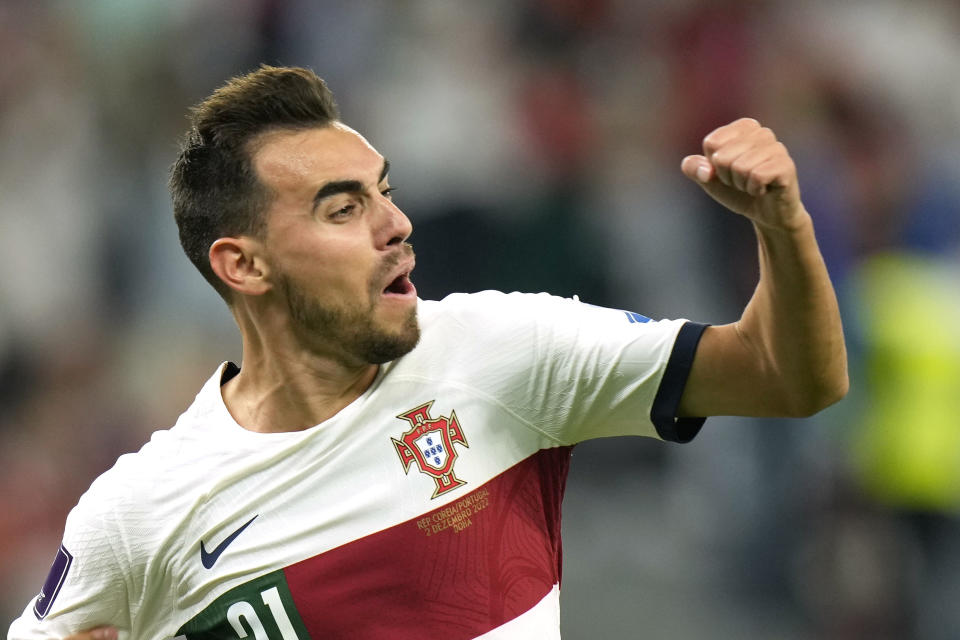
384,346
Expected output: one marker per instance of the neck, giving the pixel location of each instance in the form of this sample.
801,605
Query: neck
284,386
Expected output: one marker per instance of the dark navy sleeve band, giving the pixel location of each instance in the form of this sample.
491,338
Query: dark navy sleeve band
663,413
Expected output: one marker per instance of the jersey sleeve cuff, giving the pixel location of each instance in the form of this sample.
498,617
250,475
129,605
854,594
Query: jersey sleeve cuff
663,413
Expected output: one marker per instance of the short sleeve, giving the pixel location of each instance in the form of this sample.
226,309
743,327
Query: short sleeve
87,583
577,371
663,413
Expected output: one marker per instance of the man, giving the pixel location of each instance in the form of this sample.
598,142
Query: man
386,467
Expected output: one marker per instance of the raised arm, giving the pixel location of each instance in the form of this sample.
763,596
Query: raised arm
786,354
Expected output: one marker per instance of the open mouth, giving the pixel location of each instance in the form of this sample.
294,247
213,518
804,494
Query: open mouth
400,286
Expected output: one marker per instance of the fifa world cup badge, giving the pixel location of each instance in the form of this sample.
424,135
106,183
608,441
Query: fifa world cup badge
429,443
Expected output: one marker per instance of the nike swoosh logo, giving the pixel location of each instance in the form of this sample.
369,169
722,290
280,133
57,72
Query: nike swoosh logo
210,558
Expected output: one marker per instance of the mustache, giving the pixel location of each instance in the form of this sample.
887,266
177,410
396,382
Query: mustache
403,252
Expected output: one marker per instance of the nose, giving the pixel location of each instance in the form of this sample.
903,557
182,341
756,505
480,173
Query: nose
394,227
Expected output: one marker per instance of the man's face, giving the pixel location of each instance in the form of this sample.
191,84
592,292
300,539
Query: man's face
336,244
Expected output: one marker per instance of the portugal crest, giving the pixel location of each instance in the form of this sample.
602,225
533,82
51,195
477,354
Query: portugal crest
429,443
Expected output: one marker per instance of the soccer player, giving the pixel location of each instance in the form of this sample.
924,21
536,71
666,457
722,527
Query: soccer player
382,466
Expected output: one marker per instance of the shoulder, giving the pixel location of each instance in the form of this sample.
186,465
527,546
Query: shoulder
480,324
527,329
536,314
135,481
161,470
492,308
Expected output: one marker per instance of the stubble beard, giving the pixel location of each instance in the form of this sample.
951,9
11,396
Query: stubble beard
352,329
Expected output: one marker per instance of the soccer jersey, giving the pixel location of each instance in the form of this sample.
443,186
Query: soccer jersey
428,507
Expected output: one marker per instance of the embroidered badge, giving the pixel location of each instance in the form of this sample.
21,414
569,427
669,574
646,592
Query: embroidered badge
429,443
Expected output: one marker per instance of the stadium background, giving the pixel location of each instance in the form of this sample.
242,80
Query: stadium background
536,145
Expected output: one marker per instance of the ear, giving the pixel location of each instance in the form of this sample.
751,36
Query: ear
240,264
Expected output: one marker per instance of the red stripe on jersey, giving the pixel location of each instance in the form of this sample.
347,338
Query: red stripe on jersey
455,572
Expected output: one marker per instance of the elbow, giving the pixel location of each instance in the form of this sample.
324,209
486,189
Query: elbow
825,392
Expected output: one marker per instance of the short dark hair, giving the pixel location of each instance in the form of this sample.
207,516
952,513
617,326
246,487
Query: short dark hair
215,189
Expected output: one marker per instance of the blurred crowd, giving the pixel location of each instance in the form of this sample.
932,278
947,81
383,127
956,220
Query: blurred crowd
536,146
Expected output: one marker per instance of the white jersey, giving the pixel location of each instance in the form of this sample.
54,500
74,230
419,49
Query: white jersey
428,507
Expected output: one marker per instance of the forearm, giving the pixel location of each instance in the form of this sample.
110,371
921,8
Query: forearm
785,356
792,322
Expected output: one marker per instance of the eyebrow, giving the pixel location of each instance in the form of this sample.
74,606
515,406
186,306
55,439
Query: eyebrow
346,186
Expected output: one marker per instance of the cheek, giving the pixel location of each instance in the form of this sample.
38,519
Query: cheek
343,278
328,267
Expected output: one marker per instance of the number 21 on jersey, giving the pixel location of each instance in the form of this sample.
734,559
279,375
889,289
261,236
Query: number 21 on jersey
261,609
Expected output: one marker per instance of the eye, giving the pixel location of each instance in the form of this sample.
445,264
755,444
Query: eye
343,212
387,193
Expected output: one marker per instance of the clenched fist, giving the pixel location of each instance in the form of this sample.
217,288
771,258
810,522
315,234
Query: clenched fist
746,169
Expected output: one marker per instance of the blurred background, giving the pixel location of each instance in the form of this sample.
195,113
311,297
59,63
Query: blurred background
536,145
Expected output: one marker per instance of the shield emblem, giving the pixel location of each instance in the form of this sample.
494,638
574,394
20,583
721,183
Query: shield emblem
434,452
429,443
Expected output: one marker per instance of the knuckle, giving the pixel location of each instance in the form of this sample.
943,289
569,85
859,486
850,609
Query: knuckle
765,175
757,180
742,166
760,176
781,149
721,159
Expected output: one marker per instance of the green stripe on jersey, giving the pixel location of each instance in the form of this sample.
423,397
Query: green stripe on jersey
261,609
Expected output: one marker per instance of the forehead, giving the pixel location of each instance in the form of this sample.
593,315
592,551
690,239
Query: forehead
310,157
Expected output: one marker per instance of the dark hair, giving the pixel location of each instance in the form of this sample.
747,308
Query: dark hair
213,183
